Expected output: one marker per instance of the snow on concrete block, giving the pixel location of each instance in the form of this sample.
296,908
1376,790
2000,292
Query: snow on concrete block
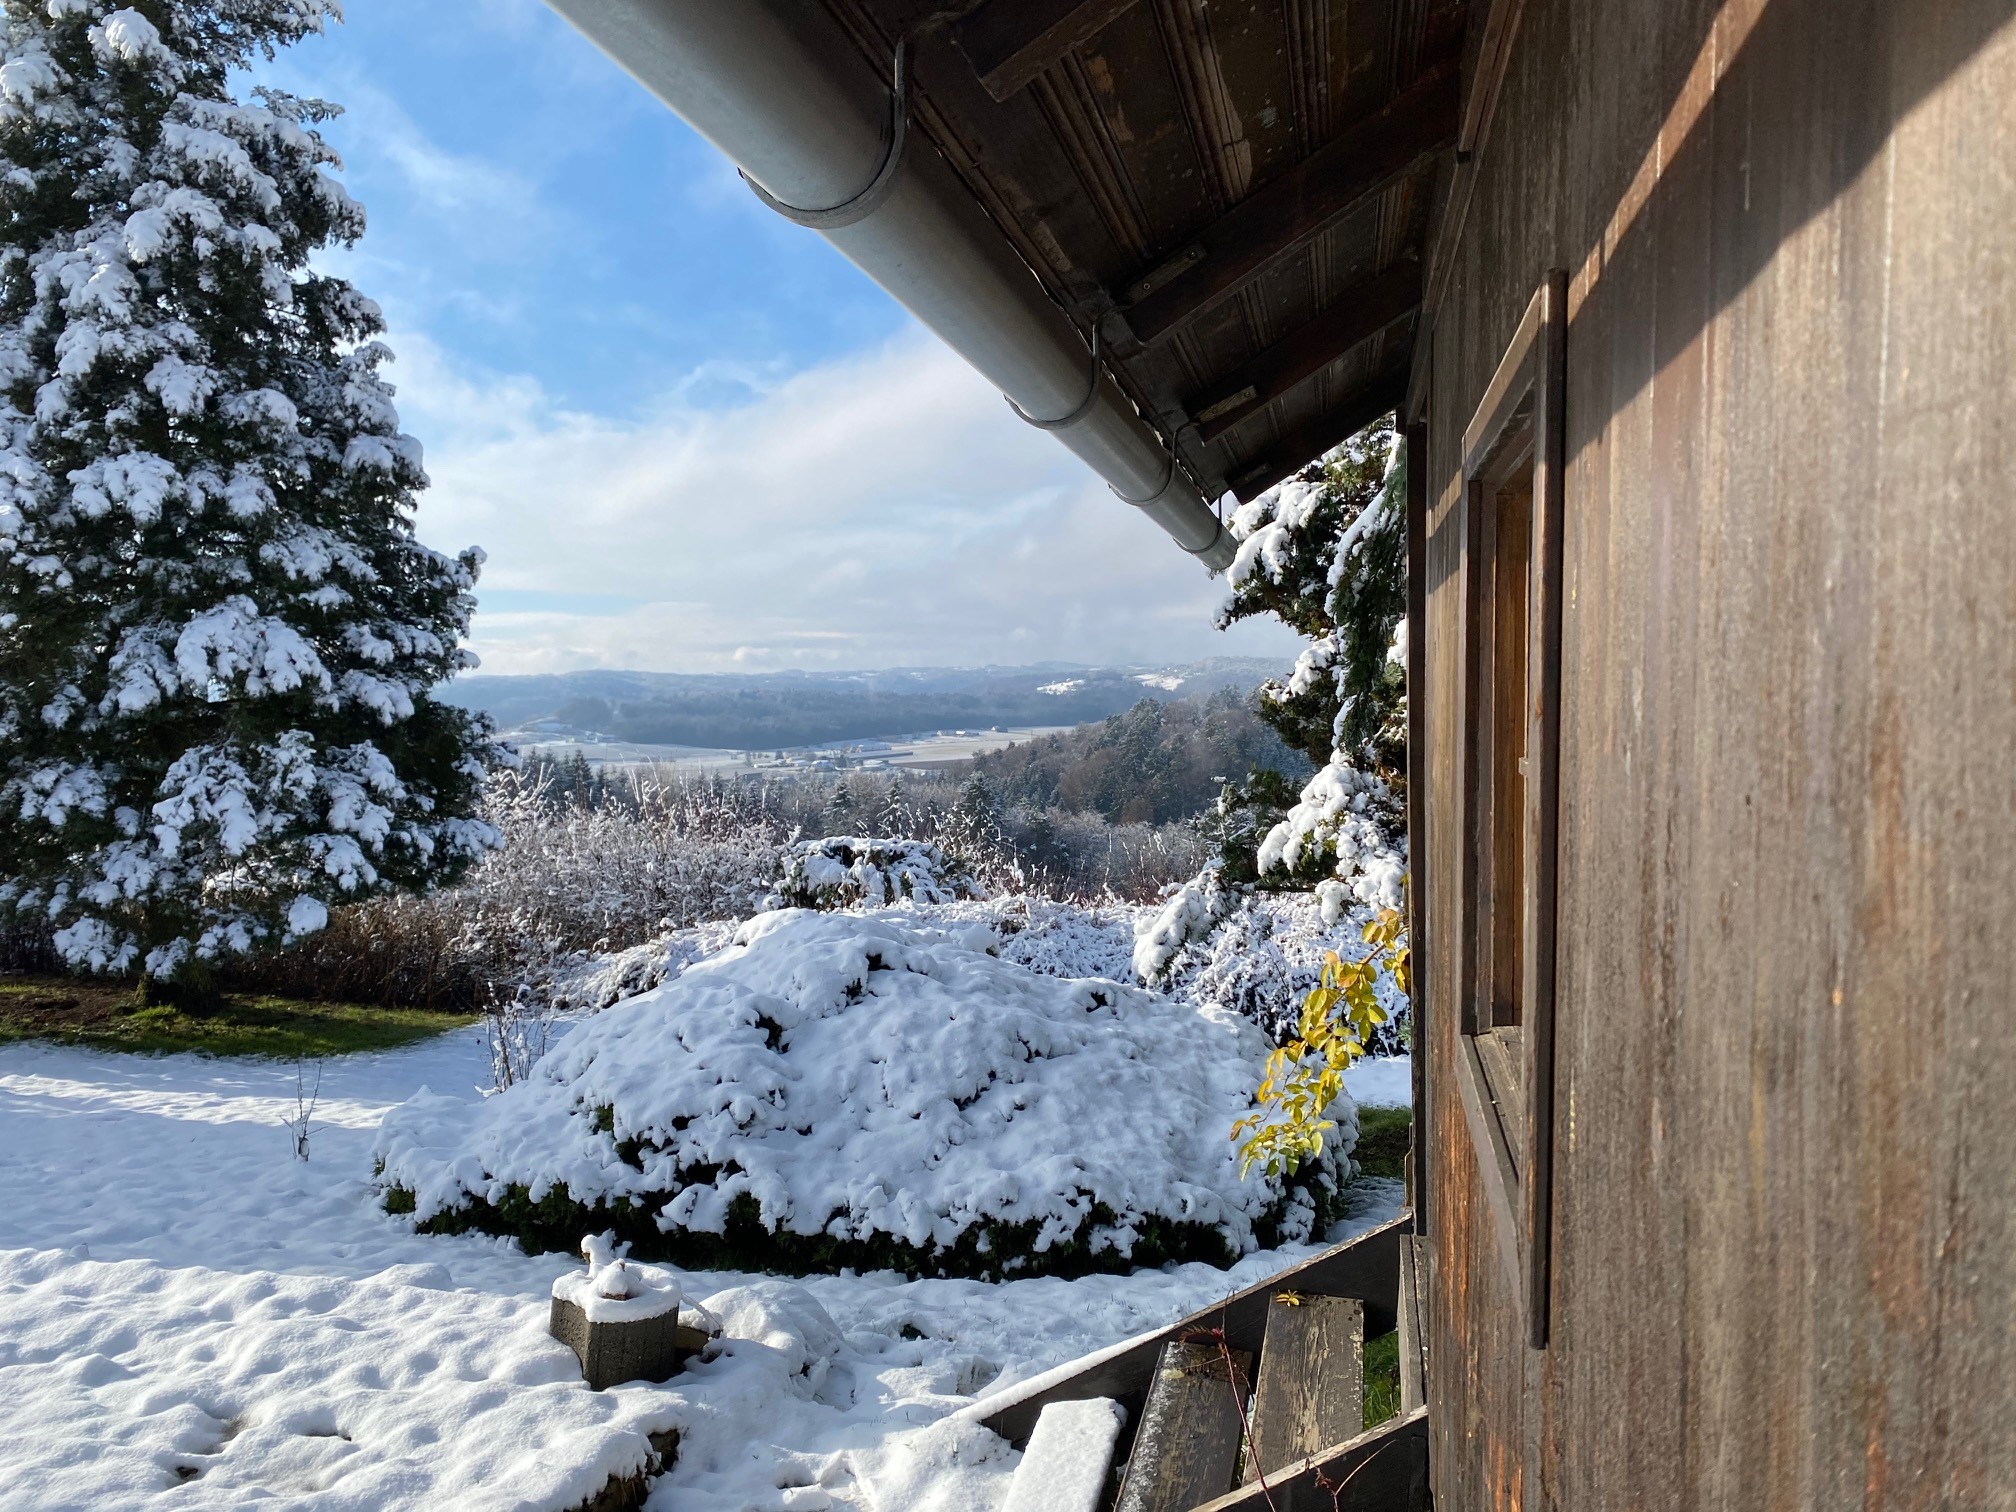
621,1320
1069,1459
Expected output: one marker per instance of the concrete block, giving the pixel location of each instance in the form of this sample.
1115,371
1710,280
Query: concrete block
636,1349
621,1320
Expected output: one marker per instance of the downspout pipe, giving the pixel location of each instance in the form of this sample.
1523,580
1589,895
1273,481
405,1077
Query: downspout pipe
779,88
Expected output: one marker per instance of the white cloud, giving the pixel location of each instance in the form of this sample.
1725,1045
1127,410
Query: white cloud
882,509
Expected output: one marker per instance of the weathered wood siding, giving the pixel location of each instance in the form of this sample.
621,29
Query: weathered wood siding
1785,1188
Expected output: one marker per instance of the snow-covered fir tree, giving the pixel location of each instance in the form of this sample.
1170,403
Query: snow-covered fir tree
843,810
895,818
973,827
217,630
1325,552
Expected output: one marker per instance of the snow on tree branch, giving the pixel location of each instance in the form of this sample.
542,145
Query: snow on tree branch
218,634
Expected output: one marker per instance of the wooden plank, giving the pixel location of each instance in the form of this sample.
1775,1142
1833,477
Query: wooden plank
1384,1470
1187,1450
1311,1390
1366,1267
1494,53
1508,394
1500,1178
1068,1466
1501,1055
1283,214
1296,449
1011,42
1418,785
1413,1335
1542,785
1358,314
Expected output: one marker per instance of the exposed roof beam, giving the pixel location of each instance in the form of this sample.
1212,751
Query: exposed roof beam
1358,314
1283,214
1010,42
1303,445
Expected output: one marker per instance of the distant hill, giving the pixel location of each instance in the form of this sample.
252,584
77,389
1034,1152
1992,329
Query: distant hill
1154,763
773,710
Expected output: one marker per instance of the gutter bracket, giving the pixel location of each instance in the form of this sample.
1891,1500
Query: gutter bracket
1168,477
1065,422
869,200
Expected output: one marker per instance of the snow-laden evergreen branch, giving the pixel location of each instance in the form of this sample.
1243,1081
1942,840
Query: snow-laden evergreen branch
218,633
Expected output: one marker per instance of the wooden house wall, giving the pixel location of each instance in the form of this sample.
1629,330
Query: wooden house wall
1785,1202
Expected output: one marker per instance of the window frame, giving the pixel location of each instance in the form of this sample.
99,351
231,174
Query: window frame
1518,421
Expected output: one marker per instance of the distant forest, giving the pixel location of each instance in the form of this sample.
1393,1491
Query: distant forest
1153,764
770,711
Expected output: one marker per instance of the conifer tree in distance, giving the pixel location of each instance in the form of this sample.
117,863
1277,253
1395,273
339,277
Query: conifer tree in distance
218,633
842,811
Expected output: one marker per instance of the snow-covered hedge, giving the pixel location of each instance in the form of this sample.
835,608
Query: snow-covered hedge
839,1090
843,871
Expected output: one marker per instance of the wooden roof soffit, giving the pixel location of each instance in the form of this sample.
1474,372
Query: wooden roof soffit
1298,448
1357,315
1285,213
1010,42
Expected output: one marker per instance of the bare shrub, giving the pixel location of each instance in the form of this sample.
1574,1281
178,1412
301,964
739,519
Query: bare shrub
582,874
415,952
519,1028
305,1098
25,948
611,880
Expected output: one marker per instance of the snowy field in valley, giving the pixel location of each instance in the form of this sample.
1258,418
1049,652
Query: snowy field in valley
936,749
190,1315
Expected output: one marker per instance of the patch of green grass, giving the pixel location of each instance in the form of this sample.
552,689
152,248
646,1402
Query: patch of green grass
1382,1141
108,1016
1382,1378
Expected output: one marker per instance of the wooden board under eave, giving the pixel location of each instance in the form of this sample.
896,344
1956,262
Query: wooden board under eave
1784,1214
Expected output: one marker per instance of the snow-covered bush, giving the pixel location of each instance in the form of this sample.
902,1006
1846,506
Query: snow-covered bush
599,981
1263,957
1064,939
867,1091
844,871
1192,911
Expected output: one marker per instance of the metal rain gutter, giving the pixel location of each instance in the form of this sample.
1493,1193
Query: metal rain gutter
779,88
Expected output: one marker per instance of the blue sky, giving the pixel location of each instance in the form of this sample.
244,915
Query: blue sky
690,435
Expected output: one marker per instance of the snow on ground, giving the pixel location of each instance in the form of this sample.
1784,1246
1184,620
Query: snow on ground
1387,1082
190,1316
